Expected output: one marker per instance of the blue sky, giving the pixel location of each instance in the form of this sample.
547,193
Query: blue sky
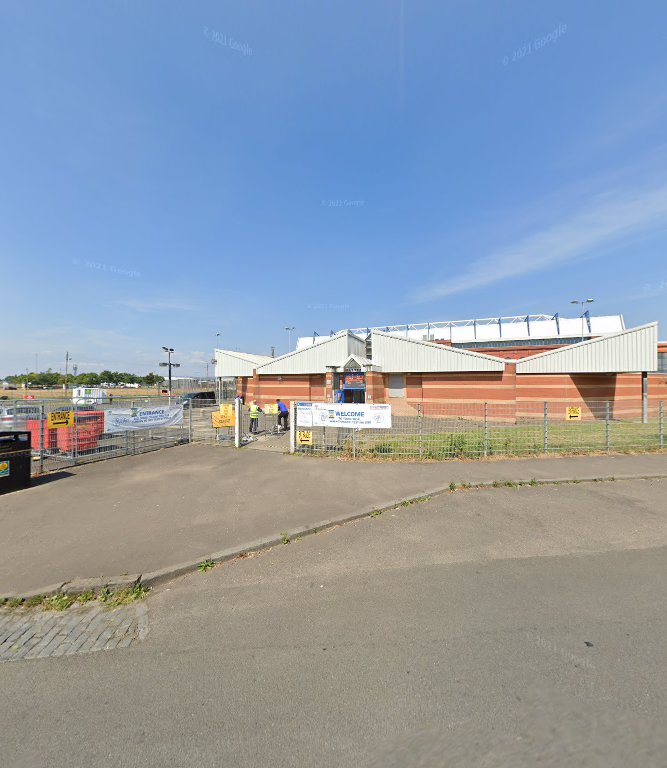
171,171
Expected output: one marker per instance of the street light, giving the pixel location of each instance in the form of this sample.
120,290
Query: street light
582,303
289,329
169,364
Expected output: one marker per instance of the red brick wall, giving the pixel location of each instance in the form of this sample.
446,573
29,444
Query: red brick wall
445,387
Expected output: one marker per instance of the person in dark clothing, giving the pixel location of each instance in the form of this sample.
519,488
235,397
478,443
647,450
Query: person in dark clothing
283,414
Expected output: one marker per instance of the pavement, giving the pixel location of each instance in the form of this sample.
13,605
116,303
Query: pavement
496,627
167,510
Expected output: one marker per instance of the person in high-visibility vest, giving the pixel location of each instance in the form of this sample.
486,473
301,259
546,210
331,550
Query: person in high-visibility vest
255,410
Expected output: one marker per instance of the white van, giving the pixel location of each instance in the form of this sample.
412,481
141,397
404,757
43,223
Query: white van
89,396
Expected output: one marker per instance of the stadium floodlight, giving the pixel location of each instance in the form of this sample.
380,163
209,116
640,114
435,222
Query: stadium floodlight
582,302
289,329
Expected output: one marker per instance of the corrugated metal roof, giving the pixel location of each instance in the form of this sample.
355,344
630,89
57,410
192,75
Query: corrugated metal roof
633,350
398,354
316,358
228,363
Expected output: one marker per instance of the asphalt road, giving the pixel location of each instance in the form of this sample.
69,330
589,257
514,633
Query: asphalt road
504,627
137,514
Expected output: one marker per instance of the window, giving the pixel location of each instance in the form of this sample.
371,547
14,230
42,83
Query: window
662,362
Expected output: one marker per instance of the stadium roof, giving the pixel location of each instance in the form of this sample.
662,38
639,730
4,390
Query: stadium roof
491,329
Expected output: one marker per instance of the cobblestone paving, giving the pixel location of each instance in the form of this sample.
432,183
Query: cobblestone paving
37,635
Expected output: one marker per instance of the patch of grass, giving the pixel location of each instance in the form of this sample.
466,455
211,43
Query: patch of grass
533,482
126,595
85,597
15,602
496,483
452,487
34,601
58,602
376,512
509,484
410,502
105,594
205,565
284,537
459,438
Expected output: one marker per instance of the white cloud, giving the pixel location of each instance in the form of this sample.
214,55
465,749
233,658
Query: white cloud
607,220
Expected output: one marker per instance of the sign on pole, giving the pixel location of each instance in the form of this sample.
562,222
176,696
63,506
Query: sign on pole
58,419
304,437
573,413
226,416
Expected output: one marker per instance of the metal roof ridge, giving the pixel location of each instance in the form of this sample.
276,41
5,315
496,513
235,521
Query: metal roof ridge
303,349
243,355
596,340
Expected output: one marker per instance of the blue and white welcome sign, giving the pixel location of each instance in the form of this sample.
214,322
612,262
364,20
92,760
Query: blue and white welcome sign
343,415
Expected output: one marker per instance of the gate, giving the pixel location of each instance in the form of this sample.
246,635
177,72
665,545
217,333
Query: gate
266,435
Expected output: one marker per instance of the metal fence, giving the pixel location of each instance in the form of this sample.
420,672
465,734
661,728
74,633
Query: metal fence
441,431
86,440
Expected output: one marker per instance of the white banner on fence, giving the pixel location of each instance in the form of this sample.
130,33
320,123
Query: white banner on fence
125,419
343,415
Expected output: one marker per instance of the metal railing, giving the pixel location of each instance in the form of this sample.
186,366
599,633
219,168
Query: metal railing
441,431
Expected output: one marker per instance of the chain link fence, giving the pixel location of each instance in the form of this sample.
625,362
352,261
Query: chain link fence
440,431
81,437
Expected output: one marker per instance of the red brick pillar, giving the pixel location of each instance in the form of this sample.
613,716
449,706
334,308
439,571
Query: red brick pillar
255,387
329,384
375,387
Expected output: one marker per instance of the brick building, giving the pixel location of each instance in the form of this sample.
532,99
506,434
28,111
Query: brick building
621,367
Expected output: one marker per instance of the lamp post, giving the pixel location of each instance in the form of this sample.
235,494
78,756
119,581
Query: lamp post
582,303
169,365
289,329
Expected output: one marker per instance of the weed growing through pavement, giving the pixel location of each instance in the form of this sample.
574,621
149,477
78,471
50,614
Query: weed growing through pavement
205,565
375,513
452,487
61,601
533,482
284,537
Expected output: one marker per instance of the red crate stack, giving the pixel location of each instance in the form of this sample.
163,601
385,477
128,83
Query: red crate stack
50,438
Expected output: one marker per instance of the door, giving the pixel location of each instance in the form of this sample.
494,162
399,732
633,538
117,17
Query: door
396,385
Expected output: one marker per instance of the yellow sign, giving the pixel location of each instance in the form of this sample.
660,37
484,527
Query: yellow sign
4,469
57,419
271,408
304,437
573,413
220,420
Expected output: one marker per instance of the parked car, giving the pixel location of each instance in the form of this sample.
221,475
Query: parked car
15,416
197,399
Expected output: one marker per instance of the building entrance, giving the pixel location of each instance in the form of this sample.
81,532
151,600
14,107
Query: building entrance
351,387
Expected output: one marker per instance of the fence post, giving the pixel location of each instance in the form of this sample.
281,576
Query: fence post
354,444
190,409
644,397
421,436
546,427
486,429
661,430
42,416
237,423
292,427
606,426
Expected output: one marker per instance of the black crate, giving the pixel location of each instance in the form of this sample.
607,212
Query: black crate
15,459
